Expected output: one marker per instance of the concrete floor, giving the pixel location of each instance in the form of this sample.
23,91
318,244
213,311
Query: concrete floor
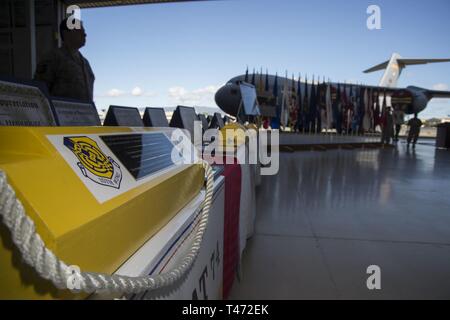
328,215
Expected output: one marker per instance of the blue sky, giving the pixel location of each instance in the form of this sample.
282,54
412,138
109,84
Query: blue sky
181,53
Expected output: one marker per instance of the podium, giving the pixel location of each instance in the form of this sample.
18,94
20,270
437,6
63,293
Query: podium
443,136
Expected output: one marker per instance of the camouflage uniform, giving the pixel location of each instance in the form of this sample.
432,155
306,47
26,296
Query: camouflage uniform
388,129
66,75
414,130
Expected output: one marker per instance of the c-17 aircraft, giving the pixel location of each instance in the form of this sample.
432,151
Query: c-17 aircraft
410,99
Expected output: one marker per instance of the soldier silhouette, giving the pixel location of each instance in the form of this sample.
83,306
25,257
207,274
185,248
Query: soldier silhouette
65,71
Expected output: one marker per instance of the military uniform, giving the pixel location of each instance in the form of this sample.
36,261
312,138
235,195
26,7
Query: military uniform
388,129
414,130
399,116
66,74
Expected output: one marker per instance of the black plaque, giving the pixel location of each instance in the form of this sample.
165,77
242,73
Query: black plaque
204,121
123,116
226,119
142,154
184,118
216,121
155,117
24,105
75,113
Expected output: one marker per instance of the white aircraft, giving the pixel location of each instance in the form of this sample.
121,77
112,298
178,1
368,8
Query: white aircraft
410,99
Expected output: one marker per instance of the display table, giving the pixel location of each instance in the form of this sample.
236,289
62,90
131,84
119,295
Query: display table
169,246
231,255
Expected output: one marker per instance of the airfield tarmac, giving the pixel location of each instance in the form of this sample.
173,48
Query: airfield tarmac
328,215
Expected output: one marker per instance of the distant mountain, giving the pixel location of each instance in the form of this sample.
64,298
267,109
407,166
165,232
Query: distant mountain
198,109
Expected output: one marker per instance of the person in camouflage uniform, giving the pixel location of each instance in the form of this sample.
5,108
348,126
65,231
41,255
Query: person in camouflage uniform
64,70
414,130
388,128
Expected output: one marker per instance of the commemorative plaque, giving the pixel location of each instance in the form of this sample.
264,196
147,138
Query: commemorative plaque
75,113
155,117
123,116
204,121
24,105
184,118
216,121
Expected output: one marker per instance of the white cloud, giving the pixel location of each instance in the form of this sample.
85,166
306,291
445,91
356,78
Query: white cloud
137,91
440,86
203,95
177,92
115,93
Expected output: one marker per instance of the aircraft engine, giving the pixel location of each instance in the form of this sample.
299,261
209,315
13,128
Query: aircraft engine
411,100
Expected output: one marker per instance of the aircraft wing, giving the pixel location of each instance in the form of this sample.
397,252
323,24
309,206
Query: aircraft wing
429,93
380,66
438,93
407,62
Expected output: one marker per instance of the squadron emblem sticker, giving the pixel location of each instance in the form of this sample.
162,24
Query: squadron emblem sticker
93,163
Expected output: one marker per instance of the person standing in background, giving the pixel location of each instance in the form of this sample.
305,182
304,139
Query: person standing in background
64,70
399,119
414,130
388,127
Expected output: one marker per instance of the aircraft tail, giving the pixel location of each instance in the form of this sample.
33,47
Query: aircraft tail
394,68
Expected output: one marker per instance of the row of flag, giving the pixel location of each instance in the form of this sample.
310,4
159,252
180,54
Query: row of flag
318,105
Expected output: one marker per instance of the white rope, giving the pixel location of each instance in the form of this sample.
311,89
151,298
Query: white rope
50,267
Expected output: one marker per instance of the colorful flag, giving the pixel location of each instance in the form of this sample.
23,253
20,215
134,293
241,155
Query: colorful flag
338,109
344,108
275,86
366,119
371,109
284,103
299,123
383,111
275,123
376,115
292,105
328,108
260,83
351,110
320,104
253,77
246,75
312,107
361,108
305,105
266,87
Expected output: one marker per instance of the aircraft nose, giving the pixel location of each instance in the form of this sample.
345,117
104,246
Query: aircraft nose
220,96
228,98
